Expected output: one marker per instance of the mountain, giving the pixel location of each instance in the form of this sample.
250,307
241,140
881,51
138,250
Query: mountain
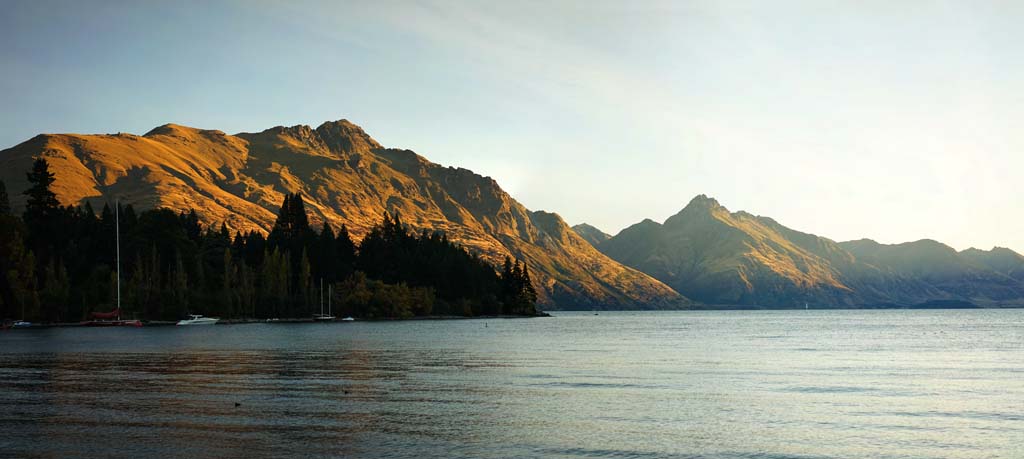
716,256
345,177
999,259
591,234
961,275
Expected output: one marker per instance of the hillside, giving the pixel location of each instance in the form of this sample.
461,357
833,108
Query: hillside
345,177
716,256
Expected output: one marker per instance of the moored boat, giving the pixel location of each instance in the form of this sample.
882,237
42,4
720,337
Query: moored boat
112,323
110,319
113,318
324,317
195,319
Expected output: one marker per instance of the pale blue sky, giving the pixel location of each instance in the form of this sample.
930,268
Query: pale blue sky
890,120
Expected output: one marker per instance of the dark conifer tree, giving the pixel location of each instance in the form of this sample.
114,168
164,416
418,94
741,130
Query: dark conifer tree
345,251
255,247
128,217
325,257
5,202
529,293
42,202
191,224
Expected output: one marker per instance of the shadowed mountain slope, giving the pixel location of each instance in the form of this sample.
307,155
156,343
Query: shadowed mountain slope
591,234
345,177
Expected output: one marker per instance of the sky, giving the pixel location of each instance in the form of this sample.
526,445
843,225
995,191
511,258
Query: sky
894,121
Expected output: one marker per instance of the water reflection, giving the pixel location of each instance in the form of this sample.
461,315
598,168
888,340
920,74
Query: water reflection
739,384
235,403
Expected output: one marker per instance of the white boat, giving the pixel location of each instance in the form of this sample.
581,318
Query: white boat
195,319
324,317
348,319
21,324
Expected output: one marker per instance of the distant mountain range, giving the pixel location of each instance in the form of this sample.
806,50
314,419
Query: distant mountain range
345,177
715,256
704,253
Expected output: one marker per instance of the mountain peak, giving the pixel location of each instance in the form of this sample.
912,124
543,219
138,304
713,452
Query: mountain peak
588,227
702,200
700,205
343,136
591,233
703,204
169,129
1004,252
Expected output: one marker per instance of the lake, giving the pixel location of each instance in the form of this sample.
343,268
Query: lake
715,384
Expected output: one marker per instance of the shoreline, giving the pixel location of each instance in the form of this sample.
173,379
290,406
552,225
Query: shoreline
172,323
696,308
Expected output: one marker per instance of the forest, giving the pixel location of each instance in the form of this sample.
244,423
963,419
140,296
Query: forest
58,265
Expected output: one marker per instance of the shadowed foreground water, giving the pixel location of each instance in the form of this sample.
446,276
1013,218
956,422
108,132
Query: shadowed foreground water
781,384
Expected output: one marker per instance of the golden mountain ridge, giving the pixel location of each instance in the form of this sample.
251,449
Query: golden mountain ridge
345,177
716,256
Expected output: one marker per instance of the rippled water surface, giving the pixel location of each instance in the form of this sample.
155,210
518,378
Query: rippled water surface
781,384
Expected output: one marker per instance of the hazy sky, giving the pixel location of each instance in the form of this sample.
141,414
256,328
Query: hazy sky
890,120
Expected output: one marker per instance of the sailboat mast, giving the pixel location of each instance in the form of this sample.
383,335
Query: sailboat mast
321,296
330,289
117,231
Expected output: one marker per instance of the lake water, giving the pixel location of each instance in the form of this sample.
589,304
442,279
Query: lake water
728,384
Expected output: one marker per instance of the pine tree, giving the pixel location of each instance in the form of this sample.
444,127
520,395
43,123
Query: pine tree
345,253
27,291
55,292
199,281
266,285
227,289
325,259
192,227
179,286
246,291
153,302
529,293
41,215
305,280
5,202
292,224
42,202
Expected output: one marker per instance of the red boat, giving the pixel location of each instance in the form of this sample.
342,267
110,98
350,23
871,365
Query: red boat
110,319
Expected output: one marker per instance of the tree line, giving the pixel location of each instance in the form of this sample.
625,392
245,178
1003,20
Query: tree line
57,264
